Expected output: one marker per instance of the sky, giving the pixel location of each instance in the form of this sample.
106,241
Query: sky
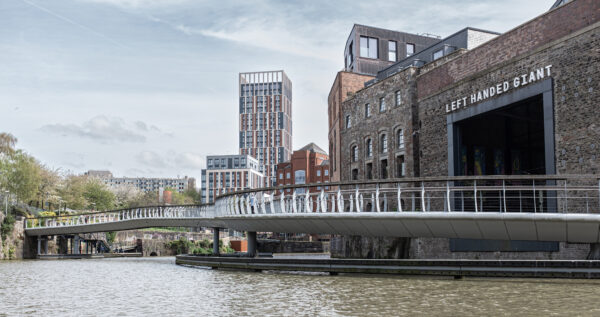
148,88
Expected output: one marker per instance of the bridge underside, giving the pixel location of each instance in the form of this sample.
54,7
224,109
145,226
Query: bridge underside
574,228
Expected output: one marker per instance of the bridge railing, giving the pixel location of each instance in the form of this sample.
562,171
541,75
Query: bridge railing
518,193
179,211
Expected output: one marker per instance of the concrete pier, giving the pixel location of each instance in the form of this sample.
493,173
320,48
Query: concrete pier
584,269
216,241
252,244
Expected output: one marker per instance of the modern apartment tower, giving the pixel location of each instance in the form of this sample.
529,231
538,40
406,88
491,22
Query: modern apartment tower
266,120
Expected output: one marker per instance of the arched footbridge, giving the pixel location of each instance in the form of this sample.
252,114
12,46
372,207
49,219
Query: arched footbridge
537,208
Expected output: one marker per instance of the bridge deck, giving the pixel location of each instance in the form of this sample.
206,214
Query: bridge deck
582,228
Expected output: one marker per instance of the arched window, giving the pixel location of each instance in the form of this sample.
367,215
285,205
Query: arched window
355,153
400,138
383,144
369,148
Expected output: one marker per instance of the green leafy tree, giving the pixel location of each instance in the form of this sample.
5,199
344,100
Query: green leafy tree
98,195
7,143
21,175
72,191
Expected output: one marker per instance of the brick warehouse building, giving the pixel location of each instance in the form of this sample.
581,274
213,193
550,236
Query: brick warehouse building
524,102
368,50
309,165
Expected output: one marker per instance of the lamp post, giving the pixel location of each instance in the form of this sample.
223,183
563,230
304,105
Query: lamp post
6,199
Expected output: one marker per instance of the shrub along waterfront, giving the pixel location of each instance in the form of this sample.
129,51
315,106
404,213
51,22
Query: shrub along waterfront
202,247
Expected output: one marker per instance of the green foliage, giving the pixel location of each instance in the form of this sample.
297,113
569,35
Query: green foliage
144,199
110,236
98,196
202,247
19,211
11,252
181,246
7,226
21,175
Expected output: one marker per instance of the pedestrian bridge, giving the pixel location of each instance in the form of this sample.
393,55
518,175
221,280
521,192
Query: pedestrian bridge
536,208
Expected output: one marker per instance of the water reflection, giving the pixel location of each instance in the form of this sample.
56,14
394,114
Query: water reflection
156,286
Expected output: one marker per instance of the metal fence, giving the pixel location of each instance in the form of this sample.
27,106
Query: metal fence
547,194
151,212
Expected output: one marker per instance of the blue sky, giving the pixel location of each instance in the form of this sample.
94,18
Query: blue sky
149,87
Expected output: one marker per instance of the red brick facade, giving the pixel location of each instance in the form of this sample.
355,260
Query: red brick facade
306,167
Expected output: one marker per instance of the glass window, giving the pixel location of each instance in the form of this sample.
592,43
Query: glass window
318,172
354,153
369,148
348,121
368,47
398,98
438,54
383,143
400,138
392,51
367,110
410,49
287,175
381,104
326,172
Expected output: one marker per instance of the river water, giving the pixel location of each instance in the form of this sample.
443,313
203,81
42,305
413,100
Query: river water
158,287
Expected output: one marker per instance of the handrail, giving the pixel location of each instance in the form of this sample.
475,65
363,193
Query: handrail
118,210
420,180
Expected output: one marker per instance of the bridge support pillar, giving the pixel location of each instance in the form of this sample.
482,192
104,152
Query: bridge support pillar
216,241
46,245
252,243
39,246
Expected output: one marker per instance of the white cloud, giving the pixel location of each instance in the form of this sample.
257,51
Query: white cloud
100,128
152,159
139,3
105,130
189,160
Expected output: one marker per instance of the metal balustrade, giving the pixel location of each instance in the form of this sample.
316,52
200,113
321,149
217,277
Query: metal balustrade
530,193
150,212
500,194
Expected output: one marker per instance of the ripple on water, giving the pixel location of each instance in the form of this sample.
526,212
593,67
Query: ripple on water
158,287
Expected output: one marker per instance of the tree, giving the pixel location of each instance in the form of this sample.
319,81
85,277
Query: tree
125,194
21,175
98,195
48,186
7,143
72,191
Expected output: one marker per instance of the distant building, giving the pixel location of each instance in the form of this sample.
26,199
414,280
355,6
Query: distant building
99,174
227,173
265,108
370,49
309,165
144,184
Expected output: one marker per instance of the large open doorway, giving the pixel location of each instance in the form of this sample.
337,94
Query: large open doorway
506,141
509,135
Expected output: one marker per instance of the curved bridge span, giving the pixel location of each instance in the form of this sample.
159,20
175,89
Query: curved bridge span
537,208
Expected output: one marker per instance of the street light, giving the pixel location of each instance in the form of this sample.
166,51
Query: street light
6,192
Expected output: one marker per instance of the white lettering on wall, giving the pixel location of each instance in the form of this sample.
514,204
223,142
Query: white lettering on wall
499,88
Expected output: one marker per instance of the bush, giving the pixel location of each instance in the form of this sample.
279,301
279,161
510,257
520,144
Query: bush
181,246
110,237
7,226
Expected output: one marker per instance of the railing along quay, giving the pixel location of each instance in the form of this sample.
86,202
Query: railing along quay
516,193
149,212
